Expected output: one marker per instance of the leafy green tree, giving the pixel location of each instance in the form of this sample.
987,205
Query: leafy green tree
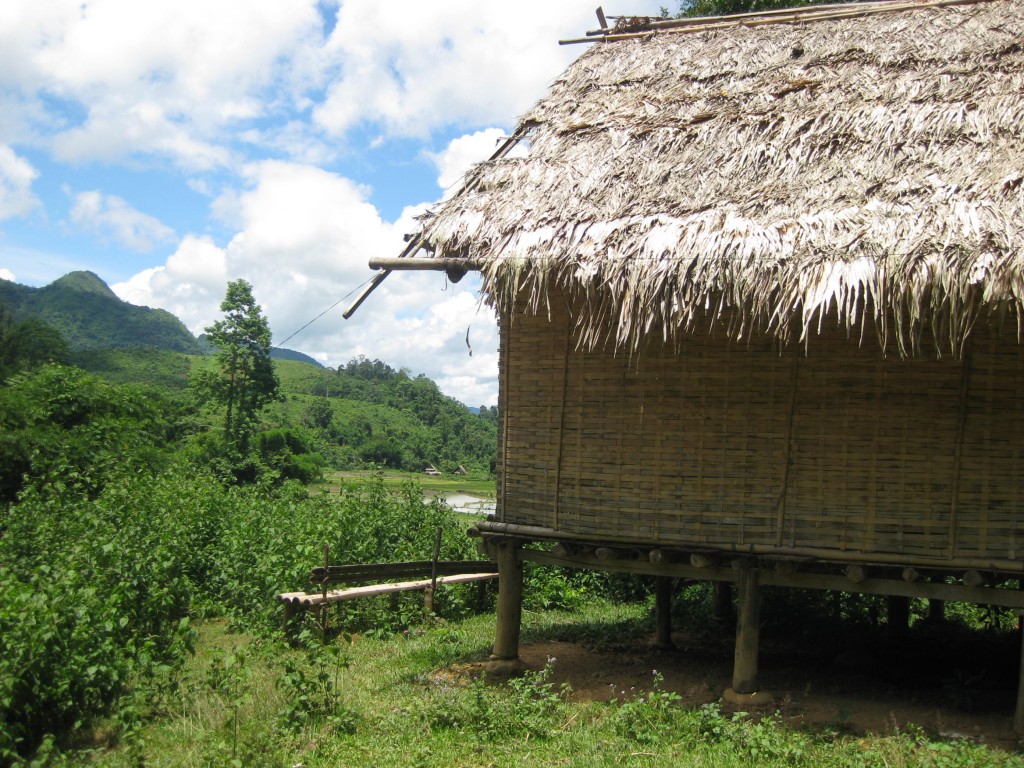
248,381
28,343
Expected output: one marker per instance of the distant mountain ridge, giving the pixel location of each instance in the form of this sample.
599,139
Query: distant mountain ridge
90,316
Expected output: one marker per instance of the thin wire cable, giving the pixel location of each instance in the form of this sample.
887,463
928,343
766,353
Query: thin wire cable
278,346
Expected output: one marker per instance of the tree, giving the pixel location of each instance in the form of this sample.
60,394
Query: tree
247,380
28,343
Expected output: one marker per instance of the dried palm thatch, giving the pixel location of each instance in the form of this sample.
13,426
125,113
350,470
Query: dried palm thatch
866,169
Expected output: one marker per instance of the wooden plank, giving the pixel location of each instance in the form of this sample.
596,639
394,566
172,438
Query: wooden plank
370,590
336,574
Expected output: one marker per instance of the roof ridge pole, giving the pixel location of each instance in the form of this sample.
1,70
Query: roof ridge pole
762,18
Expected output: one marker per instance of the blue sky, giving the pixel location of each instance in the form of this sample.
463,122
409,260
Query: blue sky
172,145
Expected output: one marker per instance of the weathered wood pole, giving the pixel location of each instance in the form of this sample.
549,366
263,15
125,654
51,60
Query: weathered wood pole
897,610
1018,714
510,602
748,629
663,613
721,601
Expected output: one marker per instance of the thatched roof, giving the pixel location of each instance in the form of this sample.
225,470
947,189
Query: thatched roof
788,173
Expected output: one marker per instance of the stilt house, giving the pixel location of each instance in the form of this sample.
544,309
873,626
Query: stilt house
760,284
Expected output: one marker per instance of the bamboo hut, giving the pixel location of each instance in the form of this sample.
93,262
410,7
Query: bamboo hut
760,286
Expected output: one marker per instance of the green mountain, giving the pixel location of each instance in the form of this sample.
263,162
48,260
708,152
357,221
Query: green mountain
90,316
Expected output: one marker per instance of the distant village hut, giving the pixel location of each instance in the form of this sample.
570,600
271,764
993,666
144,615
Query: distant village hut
760,291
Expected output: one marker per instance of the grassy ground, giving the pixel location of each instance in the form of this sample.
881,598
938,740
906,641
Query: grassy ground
418,700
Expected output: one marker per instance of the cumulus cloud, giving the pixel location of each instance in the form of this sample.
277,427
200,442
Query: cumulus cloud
16,177
304,237
164,77
112,218
442,63
6,274
464,151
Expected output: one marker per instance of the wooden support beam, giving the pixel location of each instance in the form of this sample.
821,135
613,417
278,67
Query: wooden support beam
855,573
663,613
805,579
973,578
748,630
659,556
510,602
701,560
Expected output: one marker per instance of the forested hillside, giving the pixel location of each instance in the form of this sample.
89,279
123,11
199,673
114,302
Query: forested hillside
90,316
363,414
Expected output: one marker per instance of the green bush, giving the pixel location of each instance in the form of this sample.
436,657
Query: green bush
96,592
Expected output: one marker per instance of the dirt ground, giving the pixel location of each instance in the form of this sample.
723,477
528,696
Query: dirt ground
851,690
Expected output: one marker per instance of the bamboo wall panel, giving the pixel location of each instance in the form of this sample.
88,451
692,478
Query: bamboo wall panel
723,445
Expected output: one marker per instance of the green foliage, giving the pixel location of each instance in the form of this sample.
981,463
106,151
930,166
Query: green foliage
154,368
66,431
247,379
647,717
85,312
374,415
528,706
287,453
95,593
313,689
28,343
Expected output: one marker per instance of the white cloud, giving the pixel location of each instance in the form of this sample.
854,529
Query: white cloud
465,151
189,285
164,77
304,238
415,67
6,274
16,177
111,217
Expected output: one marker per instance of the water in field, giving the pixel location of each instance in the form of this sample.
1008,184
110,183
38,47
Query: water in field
470,505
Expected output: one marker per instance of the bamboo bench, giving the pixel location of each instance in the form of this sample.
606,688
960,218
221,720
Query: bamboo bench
430,573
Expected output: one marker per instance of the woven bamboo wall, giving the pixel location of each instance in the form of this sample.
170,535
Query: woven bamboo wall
725,445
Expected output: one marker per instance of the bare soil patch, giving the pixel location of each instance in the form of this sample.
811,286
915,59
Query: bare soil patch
879,687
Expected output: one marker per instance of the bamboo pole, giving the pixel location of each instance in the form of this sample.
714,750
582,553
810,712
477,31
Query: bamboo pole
417,242
758,19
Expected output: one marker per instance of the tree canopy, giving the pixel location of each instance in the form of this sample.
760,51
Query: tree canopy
247,380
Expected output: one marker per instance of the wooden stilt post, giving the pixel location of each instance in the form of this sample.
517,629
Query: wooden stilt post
721,605
748,626
505,657
897,614
1018,715
663,613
